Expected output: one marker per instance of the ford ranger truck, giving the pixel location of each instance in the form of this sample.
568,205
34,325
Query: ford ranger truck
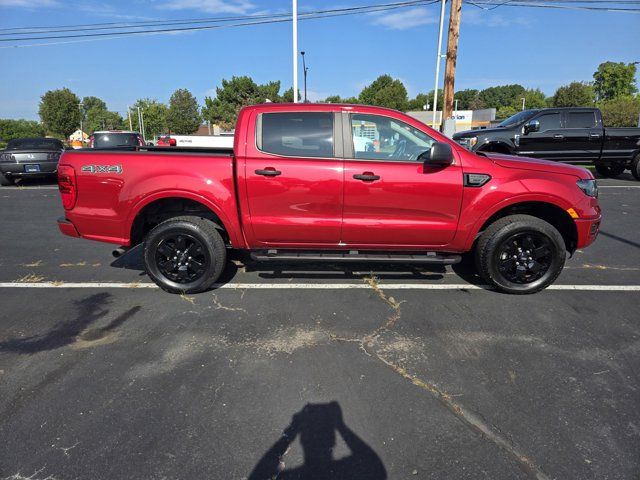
572,135
336,183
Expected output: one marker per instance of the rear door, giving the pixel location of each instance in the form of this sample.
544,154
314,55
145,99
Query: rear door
390,198
548,142
293,179
583,136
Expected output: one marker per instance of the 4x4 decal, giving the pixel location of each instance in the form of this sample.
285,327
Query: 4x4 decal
102,168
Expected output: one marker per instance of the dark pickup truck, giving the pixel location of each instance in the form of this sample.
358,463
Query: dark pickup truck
573,135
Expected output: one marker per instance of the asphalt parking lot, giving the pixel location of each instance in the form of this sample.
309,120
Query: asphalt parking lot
314,372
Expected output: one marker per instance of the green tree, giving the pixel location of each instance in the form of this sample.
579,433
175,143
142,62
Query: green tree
10,129
506,112
234,94
501,96
287,96
420,101
614,80
385,92
91,103
621,111
154,115
465,97
576,94
60,112
102,119
183,116
533,98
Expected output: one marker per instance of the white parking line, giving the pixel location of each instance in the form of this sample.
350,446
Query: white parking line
618,186
315,286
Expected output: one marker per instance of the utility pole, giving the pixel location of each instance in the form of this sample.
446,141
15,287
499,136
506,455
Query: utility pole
304,70
438,57
452,56
295,51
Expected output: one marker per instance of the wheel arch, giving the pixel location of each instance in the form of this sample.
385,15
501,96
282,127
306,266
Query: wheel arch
544,210
161,206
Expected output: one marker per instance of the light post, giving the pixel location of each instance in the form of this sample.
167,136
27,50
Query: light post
438,58
455,109
80,105
523,100
294,12
304,70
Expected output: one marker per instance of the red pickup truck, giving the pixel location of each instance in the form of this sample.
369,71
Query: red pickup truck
337,183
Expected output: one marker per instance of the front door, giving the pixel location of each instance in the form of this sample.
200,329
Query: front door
548,142
390,198
294,180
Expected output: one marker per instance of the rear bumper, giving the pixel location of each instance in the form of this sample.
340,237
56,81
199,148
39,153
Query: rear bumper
18,169
588,230
67,228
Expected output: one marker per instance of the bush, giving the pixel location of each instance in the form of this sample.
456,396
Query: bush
621,112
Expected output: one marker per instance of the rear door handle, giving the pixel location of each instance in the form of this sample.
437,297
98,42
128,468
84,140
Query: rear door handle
268,172
367,177
557,136
594,135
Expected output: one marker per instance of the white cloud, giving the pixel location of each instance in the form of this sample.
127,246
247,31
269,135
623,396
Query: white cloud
29,3
209,6
405,20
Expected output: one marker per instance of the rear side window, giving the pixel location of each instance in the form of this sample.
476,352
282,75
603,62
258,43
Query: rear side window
297,134
549,121
581,119
107,140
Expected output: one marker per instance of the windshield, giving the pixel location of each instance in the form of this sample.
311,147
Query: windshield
35,144
517,118
106,140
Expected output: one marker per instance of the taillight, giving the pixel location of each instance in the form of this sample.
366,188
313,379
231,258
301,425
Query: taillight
53,156
67,186
6,157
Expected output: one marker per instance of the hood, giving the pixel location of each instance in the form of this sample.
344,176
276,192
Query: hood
525,163
479,132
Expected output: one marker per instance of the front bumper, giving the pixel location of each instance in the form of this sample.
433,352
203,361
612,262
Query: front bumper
67,228
588,230
19,169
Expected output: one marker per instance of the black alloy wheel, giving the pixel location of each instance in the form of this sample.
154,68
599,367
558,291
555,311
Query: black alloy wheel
524,257
181,258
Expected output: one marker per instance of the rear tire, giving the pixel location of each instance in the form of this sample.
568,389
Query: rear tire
635,167
185,254
4,181
610,171
520,254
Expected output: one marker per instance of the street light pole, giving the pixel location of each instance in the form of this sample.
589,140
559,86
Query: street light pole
80,105
523,100
438,58
129,115
304,70
295,50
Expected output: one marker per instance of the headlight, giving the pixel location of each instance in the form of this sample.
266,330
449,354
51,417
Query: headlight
589,187
468,142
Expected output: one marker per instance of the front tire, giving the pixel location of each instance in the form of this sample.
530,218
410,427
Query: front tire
185,254
610,171
635,167
520,254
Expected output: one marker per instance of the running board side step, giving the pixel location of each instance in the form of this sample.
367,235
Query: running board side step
354,256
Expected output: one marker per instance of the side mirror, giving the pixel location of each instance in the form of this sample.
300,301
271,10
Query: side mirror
532,126
440,155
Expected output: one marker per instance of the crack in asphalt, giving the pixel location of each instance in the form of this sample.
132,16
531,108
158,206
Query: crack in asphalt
471,420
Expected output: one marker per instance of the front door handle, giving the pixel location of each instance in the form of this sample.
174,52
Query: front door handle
367,177
557,136
595,136
268,172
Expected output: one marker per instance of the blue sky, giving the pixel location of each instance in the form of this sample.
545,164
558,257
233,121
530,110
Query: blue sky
538,48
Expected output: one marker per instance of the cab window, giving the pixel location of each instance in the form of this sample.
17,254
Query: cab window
549,121
377,137
581,119
297,134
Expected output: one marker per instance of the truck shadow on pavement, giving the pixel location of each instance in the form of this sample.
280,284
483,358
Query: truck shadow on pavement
89,310
317,425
